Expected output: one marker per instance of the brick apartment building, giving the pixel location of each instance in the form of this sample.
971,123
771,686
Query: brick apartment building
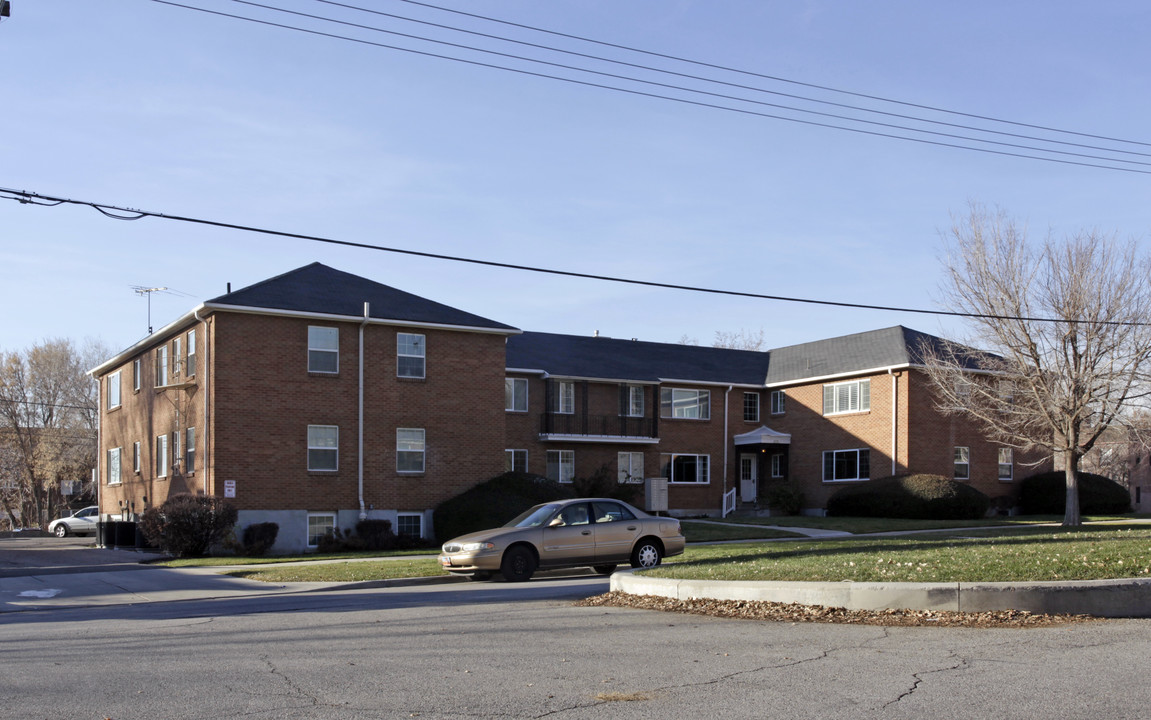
318,397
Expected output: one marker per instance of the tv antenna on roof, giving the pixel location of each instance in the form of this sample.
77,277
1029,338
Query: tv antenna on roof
147,292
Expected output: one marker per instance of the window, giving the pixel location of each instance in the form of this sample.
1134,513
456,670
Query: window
323,447
320,525
516,394
136,374
563,397
409,355
751,407
114,390
162,366
114,477
323,349
1006,464
190,363
686,468
846,465
962,463
778,402
777,465
161,456
605,512
561,465
630,467
190,450
516,460
679,403
410,525
136,456
410,450
632,401
177,355
175,449
854,396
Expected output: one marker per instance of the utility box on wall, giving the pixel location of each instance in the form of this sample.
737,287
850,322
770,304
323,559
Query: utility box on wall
655,494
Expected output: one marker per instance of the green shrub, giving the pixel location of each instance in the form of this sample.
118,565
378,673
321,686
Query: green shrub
1046,494
376,534
258,538
494,502
782,498
918,496
188,525
604,484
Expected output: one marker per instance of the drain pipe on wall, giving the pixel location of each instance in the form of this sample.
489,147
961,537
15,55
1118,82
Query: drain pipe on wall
726,442
894,417
360,441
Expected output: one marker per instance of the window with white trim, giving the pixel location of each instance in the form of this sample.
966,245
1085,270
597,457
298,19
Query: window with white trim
686,468
841,465
410,525
561,465
845,397
632,401
777,465
136,457
751,407
190,361
516,461
1006,465
136,374
778,402
410,450
114,477
319,526
630,467
162,366
175,448
323,349
323,448
563,397
684,403
177,355
190,450
962,463
162,456
516,394
411,350
114,390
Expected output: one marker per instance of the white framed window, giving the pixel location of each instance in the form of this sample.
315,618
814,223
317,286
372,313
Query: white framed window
175,448
323,448
683,403
162,366
777,465
561,465
114,477
319,526
962,463
844,397
686,468
1006,465
136,375
190,450
516,394
136,457
410,525
323,349
190,361
630,466
177,355
114,390
751,407
410,450
563,398
516,461
410,355
633,401
841,465
162,456
778,402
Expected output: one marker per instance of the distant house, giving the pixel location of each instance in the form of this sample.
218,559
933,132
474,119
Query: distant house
318,397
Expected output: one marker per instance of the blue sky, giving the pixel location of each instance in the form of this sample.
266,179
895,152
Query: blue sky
140,104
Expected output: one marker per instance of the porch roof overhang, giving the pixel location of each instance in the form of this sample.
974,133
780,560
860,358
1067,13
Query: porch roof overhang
763,436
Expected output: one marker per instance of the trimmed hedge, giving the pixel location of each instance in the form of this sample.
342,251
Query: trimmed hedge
188,525
492,503
1046,494
258,538
920,497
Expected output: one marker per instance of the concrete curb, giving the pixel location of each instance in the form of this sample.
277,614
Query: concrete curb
1126,598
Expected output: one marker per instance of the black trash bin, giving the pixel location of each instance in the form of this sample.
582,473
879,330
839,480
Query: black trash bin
102,533
110,527
126,534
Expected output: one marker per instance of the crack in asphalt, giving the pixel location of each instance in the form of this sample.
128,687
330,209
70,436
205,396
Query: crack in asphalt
961,663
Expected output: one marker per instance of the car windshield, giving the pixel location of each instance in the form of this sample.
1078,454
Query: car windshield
533,517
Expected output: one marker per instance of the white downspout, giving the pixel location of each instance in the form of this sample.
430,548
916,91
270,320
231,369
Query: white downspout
360,441
726,442
894,418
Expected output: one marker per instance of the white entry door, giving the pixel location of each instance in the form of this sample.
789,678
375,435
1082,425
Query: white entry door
748,477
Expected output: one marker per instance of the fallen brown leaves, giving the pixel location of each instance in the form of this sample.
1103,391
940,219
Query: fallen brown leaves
791,612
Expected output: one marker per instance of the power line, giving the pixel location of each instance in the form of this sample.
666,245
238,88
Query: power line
26,197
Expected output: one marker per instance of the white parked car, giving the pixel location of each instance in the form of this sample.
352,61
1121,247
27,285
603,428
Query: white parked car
81,522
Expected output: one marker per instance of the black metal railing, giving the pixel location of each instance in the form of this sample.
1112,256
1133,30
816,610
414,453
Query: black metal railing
600,425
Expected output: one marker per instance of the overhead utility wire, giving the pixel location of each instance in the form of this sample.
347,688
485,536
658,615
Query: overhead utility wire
760,75
686,101
688,76
26,197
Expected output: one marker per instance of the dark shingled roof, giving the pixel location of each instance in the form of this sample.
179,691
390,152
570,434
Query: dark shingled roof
317,288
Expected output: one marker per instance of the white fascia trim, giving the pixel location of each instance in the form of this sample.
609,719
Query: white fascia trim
614,381
526,371
152,339
742,386
606,439
840,376
216,307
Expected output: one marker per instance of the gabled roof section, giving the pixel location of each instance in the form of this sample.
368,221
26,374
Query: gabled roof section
631,360
323,290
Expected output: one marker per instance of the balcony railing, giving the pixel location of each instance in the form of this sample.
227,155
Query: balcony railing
596,425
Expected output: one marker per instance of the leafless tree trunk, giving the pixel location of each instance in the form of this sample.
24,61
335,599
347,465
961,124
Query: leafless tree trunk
1067,320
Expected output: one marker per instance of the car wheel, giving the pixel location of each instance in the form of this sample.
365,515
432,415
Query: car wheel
604,569
647,554
61,530
518,564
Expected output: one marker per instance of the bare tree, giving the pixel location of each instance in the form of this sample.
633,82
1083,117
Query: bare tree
1067,321
742,340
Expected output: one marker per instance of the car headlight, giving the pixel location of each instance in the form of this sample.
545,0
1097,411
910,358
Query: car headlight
477,546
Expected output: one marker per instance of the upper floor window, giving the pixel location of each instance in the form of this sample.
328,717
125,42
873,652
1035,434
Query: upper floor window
631,401
162,366
161,456
136,456
410,355
563,399
323,447
962,463
136,374
751,407
516,394
846,465
778,402
177,355
190,450
1006,464
114,477
190,362
323,349
114,390
853,396
410,450
681,403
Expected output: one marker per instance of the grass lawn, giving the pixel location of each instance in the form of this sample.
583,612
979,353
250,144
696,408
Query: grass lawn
219,560
697,532
862,525
357,571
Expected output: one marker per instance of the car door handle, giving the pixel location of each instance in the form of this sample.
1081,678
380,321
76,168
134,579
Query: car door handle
586,532
631,527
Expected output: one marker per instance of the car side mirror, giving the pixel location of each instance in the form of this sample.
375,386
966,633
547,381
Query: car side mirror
556,522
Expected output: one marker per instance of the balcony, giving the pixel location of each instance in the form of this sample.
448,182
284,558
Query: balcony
597,428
